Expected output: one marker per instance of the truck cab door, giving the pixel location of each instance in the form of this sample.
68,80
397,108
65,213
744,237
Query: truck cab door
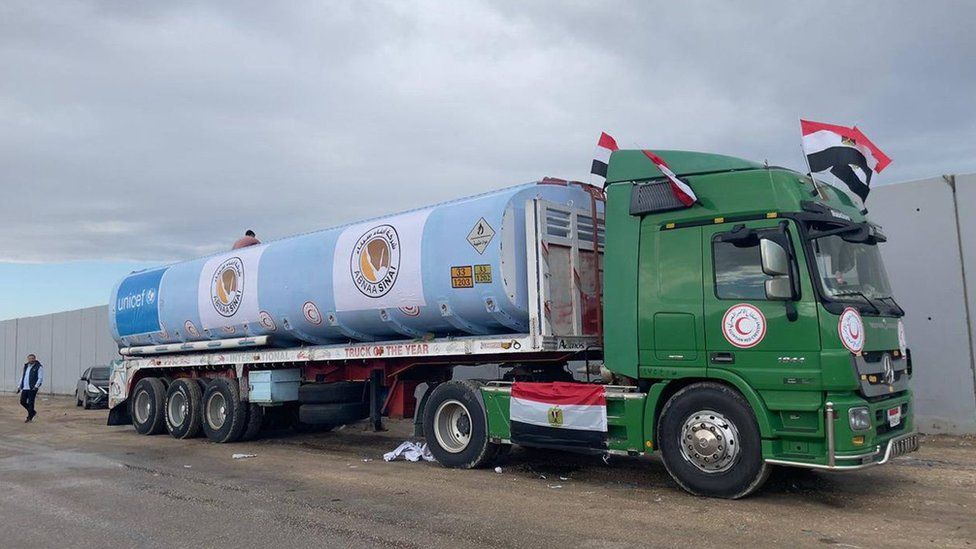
751,329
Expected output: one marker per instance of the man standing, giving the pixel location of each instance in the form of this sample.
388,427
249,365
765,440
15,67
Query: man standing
249,239
30,383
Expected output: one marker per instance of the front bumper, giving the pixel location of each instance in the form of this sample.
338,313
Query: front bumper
844,461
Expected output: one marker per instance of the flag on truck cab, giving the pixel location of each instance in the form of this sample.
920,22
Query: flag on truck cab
680,189
601,158
846,152
561,415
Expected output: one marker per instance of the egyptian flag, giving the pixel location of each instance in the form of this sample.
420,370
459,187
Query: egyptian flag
601,158
560,415
846,152
680,189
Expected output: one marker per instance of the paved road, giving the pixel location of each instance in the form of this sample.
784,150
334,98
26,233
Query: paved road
69,479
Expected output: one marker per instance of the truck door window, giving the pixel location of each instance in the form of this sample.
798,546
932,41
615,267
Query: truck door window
738,270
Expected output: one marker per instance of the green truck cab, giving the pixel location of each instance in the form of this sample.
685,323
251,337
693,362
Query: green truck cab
754,329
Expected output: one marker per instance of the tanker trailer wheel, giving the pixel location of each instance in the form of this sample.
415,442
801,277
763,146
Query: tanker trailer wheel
224,415
456,426
710,442
184,408
148,398
255,420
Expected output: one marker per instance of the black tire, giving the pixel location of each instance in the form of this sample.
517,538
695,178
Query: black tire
184,408
734,473
460,443
329,393
85,403
334,414
255,419
224,415
149,395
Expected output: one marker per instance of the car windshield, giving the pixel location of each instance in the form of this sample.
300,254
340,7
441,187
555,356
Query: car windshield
100,374
850,270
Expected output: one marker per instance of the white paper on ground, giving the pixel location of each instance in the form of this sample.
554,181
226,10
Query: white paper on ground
411,451
243,456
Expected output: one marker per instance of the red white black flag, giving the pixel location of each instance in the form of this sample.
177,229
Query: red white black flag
680,189
846,152
601,158
566,416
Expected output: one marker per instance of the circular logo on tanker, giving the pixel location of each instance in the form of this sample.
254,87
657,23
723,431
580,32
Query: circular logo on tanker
266,321
744,325
375,261
191,329
312,313
412,310
851,330
227,287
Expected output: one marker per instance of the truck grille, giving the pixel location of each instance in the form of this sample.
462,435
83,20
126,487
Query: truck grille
881,420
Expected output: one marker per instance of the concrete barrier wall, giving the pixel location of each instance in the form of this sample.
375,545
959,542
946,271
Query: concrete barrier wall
931,261
65,343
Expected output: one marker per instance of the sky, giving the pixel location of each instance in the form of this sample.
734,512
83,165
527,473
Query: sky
140,133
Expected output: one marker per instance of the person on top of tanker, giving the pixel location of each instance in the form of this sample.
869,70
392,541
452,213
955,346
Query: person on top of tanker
249,239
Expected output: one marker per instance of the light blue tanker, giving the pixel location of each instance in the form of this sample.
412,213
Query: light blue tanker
454,268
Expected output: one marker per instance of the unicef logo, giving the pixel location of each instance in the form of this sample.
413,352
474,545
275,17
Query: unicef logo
744,326
227,287
150,296
375,261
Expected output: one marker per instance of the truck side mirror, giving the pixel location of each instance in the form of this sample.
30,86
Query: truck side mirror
779,288
776,264
775,260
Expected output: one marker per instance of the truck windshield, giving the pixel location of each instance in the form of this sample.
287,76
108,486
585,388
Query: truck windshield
850,271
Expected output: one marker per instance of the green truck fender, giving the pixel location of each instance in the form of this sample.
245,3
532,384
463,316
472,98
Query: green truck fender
666,388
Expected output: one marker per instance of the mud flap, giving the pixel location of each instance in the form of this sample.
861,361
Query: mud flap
119,415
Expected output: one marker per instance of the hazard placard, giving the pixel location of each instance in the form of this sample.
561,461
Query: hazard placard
482,274
462,277
481,235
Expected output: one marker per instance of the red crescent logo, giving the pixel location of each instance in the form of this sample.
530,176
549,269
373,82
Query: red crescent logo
855,333
738,328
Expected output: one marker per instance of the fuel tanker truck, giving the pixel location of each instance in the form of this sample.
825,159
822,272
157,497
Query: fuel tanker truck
753,329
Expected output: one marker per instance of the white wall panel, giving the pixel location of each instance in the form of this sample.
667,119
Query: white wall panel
923,261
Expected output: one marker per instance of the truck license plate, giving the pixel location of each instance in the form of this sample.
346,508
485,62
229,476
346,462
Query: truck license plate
894,416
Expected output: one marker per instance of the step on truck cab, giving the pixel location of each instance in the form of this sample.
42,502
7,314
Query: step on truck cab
754,329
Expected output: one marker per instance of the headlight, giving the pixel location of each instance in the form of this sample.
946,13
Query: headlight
92,389
860,418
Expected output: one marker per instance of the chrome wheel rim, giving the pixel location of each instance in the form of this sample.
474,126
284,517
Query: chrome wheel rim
709,441
216,411
142,407
176,408
452,426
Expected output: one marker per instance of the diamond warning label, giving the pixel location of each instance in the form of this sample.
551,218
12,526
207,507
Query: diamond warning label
481,235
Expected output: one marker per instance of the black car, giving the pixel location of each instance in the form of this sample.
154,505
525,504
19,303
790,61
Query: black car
92,390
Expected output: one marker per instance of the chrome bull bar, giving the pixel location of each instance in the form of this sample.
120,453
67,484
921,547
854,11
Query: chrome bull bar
897,446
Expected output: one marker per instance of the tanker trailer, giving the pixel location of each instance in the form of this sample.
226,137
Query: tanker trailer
456,268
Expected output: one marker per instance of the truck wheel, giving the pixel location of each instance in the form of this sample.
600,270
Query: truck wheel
147,406
328,393
710,442
184,408
334,414
255,419
224,415
456,426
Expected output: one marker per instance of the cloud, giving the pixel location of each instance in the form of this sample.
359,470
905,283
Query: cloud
160,131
